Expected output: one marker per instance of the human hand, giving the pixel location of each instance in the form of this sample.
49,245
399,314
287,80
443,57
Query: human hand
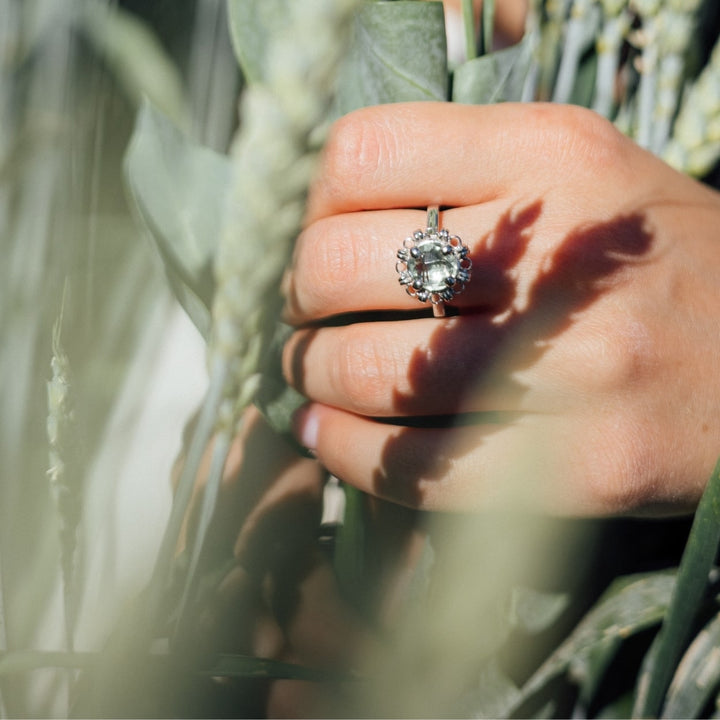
280,598
588,335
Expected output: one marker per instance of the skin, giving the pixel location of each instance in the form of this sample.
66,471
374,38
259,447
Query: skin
589,329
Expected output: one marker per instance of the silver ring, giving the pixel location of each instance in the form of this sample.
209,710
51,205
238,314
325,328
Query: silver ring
433,265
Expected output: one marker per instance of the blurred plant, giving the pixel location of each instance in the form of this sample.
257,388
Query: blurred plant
65,471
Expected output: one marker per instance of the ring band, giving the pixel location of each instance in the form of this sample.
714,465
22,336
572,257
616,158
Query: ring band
433,265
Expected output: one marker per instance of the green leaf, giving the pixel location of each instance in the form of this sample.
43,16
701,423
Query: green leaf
349,556
534,610
692,584
398,54
244,666
179,191
253,24
697,675
630,604
487,25
275,399
498,77
21,661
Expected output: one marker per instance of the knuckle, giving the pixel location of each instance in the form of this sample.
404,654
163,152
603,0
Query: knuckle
619,356
578,136
361,374
358,144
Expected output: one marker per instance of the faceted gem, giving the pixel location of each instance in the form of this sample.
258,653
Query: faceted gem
433,266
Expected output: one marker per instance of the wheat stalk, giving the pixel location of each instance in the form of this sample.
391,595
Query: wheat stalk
64,468
273,157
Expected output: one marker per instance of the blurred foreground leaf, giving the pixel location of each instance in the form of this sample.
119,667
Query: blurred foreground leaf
245,666
179,191
498,77
136,56
253,25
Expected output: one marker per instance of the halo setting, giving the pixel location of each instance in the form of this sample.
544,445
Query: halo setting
433,266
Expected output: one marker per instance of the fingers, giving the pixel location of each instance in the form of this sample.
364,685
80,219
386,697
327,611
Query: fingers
519,463
417,154
346,263
420,367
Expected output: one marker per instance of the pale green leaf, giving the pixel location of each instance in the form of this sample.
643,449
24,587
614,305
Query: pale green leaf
498,77
398,54
179,191
245,666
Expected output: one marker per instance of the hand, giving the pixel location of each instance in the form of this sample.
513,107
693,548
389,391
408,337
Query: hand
584,353
280,598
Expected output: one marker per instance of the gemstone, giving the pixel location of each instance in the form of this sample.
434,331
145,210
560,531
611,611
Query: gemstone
432,266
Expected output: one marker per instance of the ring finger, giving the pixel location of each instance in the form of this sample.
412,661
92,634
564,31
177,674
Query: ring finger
346,263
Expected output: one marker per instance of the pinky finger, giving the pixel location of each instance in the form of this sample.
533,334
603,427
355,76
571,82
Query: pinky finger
528,463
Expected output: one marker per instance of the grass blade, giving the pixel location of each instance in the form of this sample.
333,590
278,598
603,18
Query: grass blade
662,659
245,666
487,22
469,27
697,675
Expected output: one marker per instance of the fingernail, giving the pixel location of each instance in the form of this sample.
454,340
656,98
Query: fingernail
305,426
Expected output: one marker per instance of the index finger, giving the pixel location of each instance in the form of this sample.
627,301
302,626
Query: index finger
411,155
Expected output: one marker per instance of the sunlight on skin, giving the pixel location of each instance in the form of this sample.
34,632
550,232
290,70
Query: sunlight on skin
593,274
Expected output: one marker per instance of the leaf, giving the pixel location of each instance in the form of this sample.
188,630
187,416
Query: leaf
275,399
487,23
498,77
494,694
692,584
534,610
398,54
179,191
244,666
349,556
21,661
697,675
253,24
630,604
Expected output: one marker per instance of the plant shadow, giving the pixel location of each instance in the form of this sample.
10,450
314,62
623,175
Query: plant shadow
506,338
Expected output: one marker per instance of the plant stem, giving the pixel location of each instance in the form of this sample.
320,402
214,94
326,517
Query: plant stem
580,30
692,581
469,26
609,44
648,85
488,26
201,437
209,502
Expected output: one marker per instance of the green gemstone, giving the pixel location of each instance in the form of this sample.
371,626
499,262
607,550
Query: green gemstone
431,266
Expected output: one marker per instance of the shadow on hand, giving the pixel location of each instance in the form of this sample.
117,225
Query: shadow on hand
512,336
